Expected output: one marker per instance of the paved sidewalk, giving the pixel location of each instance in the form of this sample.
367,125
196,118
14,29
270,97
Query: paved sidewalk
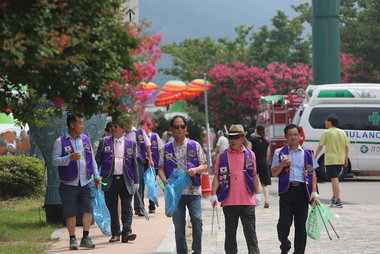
150,235
358,228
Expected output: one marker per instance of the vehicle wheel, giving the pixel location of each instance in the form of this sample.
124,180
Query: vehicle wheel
322,174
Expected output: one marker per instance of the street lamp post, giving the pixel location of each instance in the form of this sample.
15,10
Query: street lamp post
207,126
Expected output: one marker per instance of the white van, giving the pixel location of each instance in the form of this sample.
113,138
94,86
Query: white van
358,109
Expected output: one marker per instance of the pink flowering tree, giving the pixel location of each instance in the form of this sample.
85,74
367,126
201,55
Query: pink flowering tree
353,70
237,89
286,79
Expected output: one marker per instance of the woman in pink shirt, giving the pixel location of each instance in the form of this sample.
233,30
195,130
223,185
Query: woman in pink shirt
235,185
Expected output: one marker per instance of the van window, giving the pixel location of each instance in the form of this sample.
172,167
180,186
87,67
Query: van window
349,118
367,119
346,117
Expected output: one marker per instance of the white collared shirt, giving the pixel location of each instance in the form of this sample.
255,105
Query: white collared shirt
118,145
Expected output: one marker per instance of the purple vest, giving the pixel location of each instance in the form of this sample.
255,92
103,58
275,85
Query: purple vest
141,145
154,149
191,160
70,173
283,182
225,177
108,157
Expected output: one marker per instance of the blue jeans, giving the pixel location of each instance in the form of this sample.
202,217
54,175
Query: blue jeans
193,203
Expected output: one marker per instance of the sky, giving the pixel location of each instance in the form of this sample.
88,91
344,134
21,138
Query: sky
177,20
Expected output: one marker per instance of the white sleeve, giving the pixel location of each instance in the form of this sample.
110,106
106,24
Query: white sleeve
146,139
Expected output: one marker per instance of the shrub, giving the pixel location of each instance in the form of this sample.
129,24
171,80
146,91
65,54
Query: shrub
20,176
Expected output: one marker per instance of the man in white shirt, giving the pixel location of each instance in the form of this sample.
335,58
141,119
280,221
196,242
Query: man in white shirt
118,160
222,143
144,160
156,146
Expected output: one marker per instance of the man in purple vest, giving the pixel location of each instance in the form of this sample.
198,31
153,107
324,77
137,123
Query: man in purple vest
156,146
73,155
235,184
186,152
297,186
117,158
144,160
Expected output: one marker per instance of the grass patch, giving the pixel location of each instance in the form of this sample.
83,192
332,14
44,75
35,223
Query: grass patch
23,227
23,248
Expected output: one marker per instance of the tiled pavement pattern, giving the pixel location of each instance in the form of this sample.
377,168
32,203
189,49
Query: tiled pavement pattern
358,228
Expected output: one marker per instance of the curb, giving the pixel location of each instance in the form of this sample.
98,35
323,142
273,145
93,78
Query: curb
167,245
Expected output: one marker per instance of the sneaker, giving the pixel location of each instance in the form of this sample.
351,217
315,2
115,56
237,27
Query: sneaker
332,201
152,211
87,243
73,244
266,205
337,204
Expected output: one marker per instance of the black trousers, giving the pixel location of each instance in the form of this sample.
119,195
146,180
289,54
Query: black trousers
246,213
138,206
293,203
117,190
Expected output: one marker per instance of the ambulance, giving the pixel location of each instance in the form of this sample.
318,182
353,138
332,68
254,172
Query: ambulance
358,109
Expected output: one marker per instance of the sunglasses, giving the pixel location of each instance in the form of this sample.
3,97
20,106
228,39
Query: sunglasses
177,127
234,136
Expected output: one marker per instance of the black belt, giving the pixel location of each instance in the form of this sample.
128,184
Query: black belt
117,177
296,184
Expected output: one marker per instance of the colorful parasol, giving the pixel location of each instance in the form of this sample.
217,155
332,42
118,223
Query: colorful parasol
174,86
195,88
142,87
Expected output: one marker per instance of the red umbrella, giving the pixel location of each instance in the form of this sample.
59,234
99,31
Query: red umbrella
166,98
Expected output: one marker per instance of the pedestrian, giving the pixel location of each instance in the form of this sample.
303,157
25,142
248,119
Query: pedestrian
144,153
108,129
235,185
119,171
297,186
260,146
336,146
222,143
73,155
190,153
156,146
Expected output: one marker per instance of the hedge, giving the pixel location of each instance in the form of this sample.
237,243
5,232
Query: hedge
20,176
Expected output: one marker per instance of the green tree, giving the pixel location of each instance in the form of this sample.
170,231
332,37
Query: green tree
360,36
69,52
192,57
284,43
360,33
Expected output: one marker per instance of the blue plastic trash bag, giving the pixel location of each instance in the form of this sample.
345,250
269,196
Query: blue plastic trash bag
101,213
150,183
178,181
